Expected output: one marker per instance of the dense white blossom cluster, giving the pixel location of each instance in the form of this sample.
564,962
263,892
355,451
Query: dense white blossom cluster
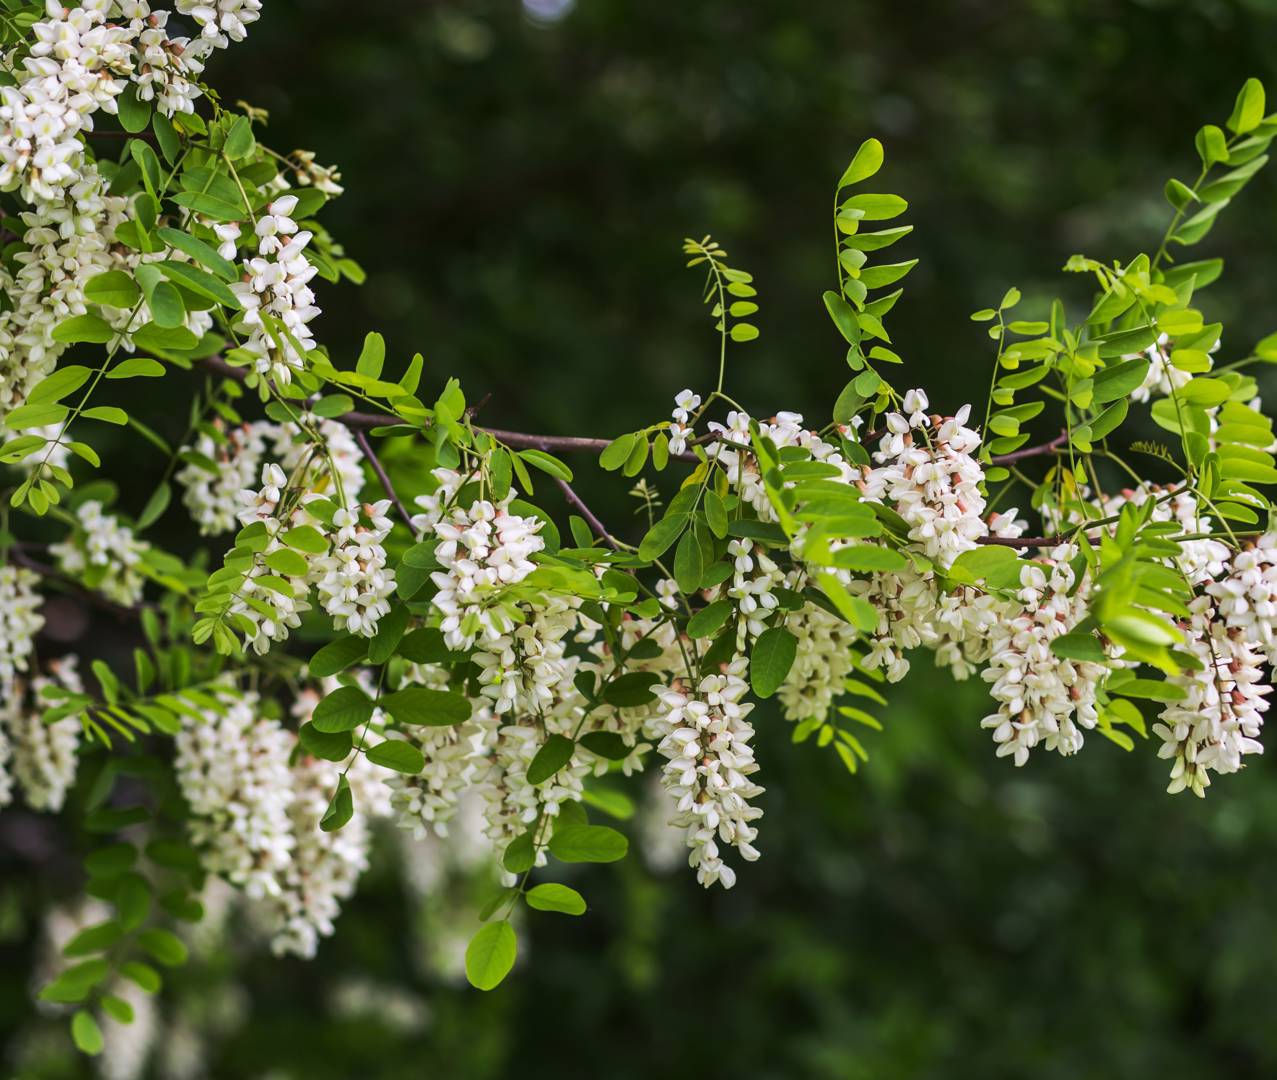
44,753
275,295
1042,698
233,768
352,579
705,739
483,549
20,621
212,495
104,554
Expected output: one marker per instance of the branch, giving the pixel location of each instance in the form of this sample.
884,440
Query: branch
1024,541
523,440
575,501
18,554
1031,451
366,446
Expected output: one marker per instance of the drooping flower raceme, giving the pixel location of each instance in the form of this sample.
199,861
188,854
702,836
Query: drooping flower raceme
104,554
705,740
233,768
483,549
353,581
20,621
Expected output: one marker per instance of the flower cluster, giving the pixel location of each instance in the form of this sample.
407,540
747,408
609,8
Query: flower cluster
212,494
233,768
483,549
1042,698
20,621
44,753
276,297
705,741
104,554
353,580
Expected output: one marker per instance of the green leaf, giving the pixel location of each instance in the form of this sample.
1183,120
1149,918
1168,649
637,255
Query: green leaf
617,452
552,896
341,808
114,288
868,160
706,622
164,946
86,1033
239,140
137,367
389,631
398,755
771,659
1079,646
588,843
606,744
200,282
134,113
345,709
108,414
372,356
431,708
338,655
1248,110
331,747
688,565
203,253
284,561
660,536
59,384
844,317
491,954
876,207
210,206
547,463
145,977
744,332
555,752
631,690
25,417
90,328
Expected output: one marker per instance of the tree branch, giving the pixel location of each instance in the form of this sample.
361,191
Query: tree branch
366,446
1031,451
577,503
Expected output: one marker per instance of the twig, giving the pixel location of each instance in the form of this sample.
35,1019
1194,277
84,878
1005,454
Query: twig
18,554
523,440
366,446
1031,451
575,501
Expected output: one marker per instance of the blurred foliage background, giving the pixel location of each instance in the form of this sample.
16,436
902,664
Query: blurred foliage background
519,180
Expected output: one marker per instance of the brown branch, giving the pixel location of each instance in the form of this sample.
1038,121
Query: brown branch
1031,451
523,440
366,446
20,556
1023,541
577,503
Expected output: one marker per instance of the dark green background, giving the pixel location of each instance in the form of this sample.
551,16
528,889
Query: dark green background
518,193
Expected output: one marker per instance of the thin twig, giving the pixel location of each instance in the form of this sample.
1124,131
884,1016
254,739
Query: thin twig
575,501
1031,451
366,446
20,557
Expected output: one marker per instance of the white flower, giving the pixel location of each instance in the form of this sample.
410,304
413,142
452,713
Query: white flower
483,549
20,621
705,740
104,554
353,579
233,768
